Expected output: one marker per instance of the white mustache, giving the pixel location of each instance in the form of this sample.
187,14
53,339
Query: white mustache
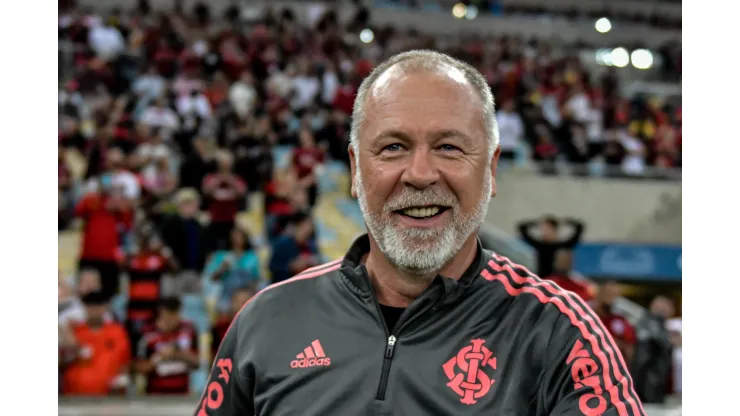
409,198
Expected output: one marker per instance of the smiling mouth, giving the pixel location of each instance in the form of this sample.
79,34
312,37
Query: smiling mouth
422,212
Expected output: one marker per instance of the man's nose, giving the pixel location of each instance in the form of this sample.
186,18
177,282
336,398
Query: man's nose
421,172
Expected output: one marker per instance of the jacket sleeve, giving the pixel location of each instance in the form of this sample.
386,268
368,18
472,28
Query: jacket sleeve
227,391
585,374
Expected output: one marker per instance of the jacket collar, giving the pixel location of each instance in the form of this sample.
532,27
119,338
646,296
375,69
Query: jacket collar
354,272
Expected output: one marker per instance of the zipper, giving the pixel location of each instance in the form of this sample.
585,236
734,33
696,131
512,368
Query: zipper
385,372
390,348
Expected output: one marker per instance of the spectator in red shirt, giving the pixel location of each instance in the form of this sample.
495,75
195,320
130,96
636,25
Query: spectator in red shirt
106,213
305,160
238,298
97,361
225,192
563,275
145,268
618,326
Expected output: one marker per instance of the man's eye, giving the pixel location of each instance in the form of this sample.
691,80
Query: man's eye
392,147
449,148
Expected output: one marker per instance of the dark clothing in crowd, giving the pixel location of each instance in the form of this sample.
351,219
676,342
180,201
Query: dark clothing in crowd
546,249
651,364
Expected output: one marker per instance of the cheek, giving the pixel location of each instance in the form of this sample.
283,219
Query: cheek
379,184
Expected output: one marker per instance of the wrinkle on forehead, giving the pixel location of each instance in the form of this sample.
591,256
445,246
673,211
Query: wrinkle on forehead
401,69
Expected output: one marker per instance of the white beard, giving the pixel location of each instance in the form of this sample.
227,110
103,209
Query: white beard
422,251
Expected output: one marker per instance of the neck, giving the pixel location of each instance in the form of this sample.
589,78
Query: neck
398,288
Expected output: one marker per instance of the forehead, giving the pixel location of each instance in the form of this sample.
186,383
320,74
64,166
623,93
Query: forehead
422,102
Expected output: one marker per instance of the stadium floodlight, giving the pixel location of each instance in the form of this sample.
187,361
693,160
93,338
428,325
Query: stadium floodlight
620,57
459,10
642,59
603,25
471,13
367,36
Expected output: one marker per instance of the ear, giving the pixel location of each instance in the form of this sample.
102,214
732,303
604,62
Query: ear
352,170
494,165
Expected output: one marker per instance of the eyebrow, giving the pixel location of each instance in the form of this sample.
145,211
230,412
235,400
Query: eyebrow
436,135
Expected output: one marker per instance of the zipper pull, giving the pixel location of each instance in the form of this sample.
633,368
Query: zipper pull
390,346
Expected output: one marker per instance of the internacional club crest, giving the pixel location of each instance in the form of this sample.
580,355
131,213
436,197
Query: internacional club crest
468,372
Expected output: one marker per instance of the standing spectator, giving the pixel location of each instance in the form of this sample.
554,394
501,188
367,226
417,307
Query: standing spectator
197,165
160,115
243,95
306,159
168,351
511,130
184,234
563,275
104,213
548,242
617,325
225,192
237,267
295,251
97,362
145,268
675,331
653,353
239,297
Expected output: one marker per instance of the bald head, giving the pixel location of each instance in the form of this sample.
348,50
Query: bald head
457,74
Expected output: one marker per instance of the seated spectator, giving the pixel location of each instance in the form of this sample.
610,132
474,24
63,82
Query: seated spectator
295,251
237,267
96,363
618,326
562,276
184,234
225,192
239,297
548,242
168,351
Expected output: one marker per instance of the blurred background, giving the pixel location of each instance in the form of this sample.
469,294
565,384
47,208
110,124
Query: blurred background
203,156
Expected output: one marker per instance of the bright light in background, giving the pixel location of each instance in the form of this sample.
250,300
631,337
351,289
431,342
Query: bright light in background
367,36
604,57
459,10
603,25
471,12
620,57
642,59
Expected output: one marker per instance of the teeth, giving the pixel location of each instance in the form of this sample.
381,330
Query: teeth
421,212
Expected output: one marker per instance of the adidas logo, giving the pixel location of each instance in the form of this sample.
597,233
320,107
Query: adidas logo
312,356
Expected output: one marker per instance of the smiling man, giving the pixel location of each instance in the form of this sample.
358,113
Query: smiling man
417,318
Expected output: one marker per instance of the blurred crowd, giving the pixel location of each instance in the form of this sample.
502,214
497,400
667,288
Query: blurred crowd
650,341
169,126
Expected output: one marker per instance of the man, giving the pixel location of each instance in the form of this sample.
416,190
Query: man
619,327
653,352
548,242
104,212
184,234
223,189
295,251
418,319
563,276
168,352
96,362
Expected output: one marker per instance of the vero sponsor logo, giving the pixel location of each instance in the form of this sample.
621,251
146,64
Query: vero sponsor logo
312,356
